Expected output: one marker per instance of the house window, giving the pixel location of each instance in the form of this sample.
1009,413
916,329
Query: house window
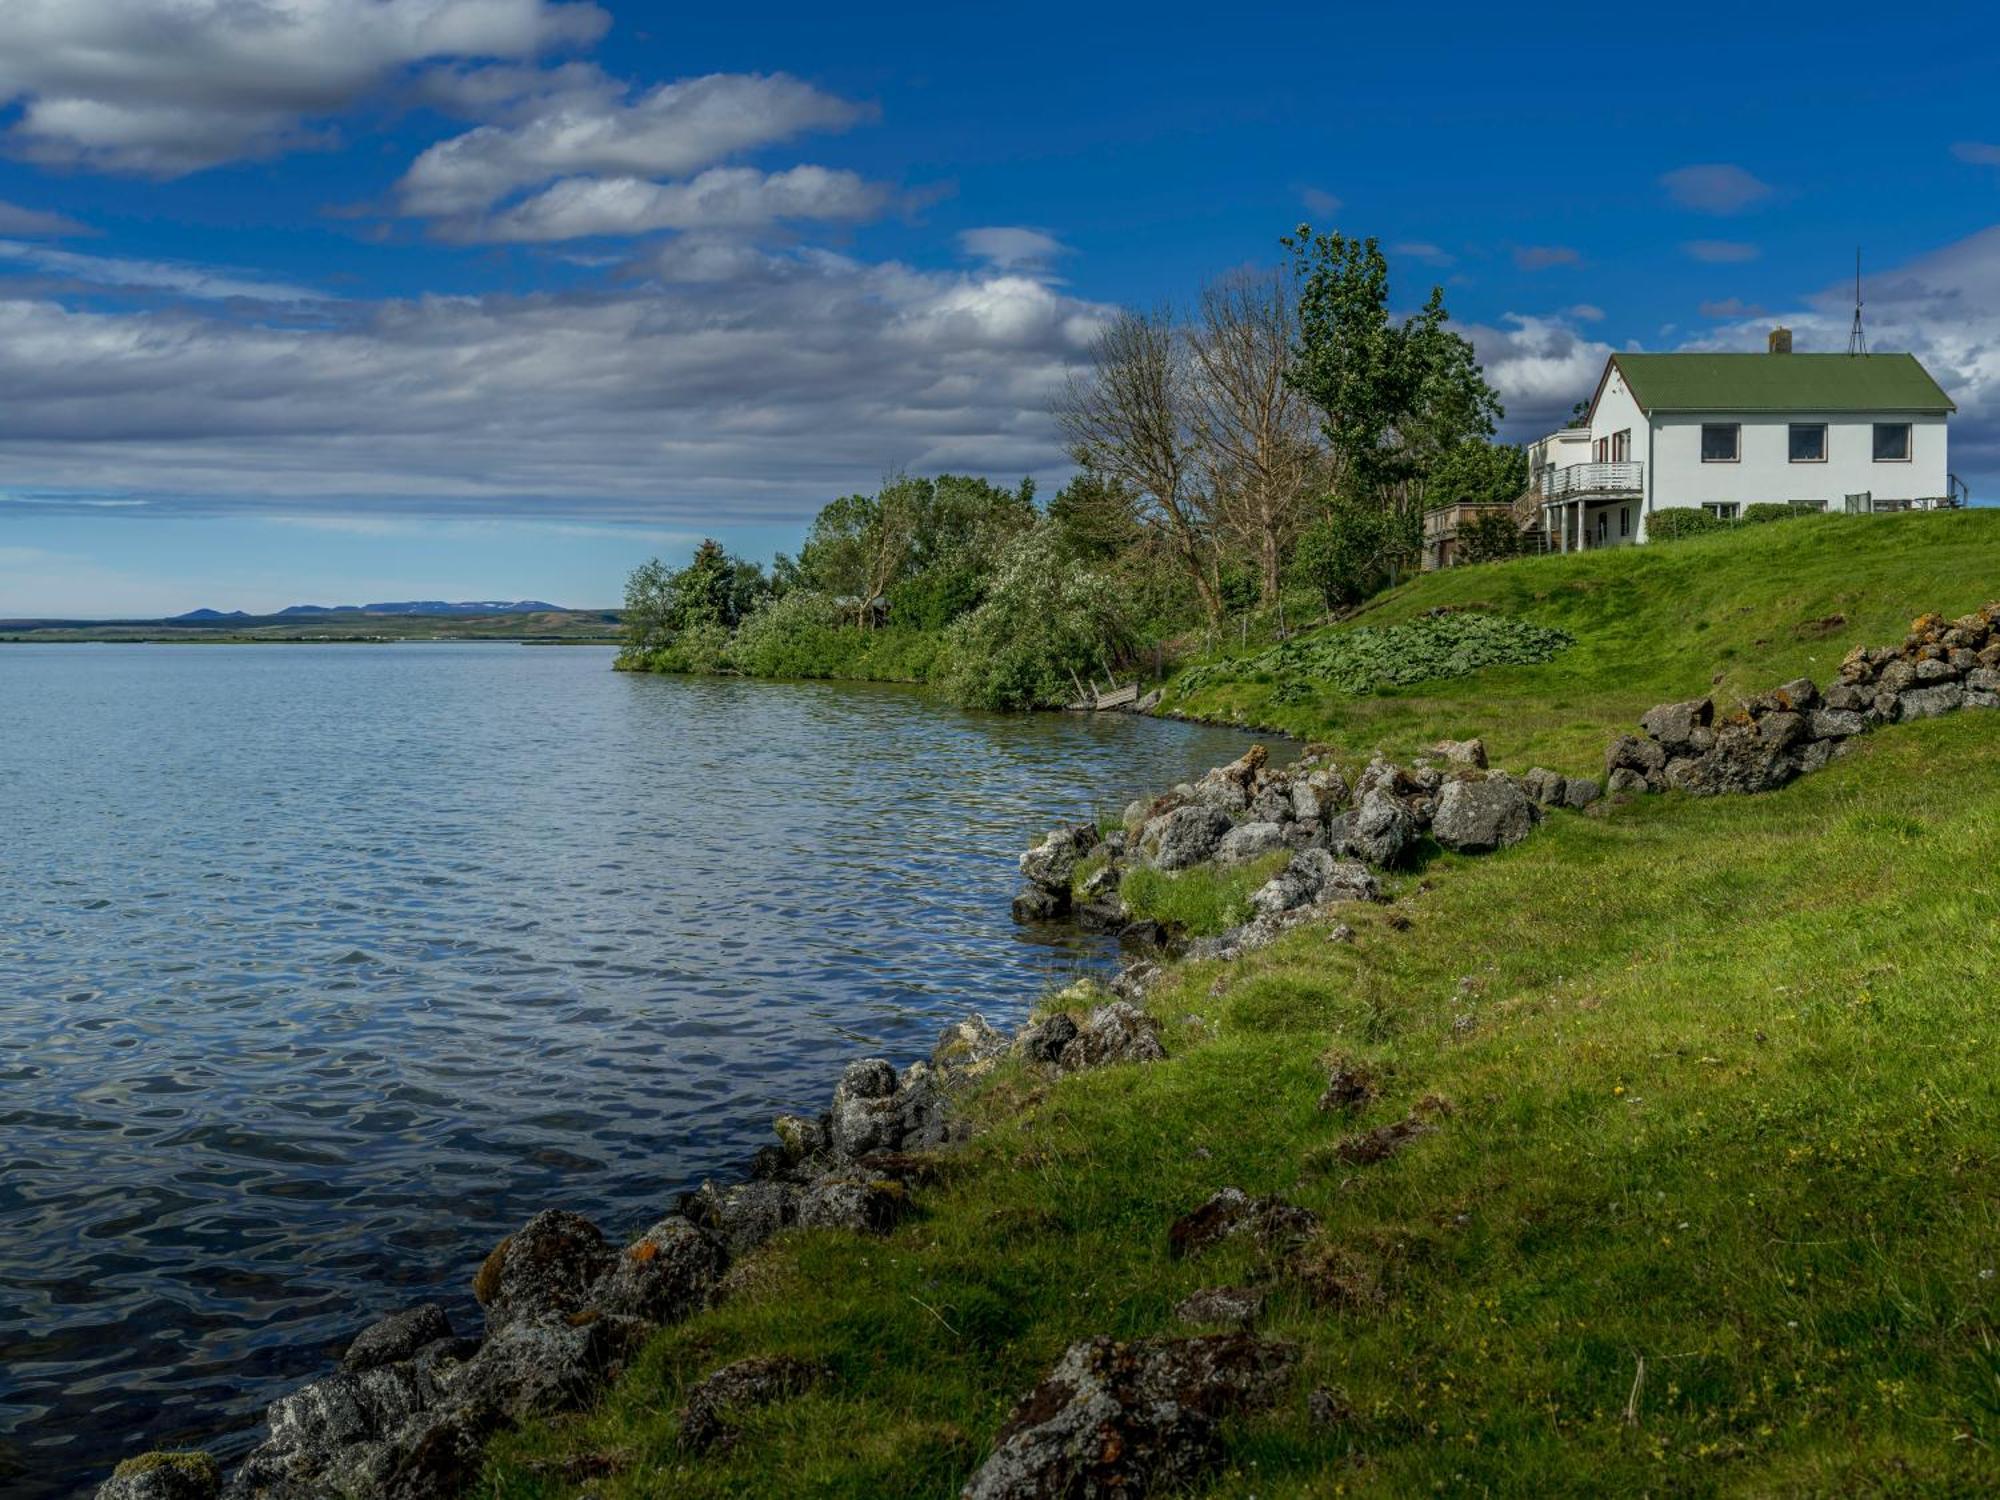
1603,526
1721,442
1621,446
1808,442
1892,442
1603,450
1624,520
1723,510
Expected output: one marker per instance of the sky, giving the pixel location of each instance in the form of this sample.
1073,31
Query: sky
335,301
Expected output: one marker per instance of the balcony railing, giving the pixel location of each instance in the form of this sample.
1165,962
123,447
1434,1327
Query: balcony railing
1579,480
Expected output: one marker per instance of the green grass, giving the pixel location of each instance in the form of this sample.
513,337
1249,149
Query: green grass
1652,624
1723,1099
1201,901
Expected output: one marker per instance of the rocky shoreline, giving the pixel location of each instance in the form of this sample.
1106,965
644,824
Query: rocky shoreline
408,1413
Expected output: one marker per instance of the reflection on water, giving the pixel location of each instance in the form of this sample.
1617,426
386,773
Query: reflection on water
323,967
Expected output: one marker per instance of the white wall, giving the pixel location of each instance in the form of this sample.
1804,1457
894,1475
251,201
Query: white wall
1764,470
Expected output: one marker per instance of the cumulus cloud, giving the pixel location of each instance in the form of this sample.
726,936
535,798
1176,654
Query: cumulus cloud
1541,257
579,124
722,198
752,394
140,87
35,223
1012,247
1719,252
1541,366
1715,188
1319,201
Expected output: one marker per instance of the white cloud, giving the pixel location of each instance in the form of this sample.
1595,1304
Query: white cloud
1714,188
1424,251
722,198
1012,247
578,125
1719,252
752,395
35,223
1319,201
1541,257
175,278
1541,366
163,89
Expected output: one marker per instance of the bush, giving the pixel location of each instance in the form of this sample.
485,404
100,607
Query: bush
796,635
1492,536
1361,660
1047,617
1771,510
1681,521
1340,554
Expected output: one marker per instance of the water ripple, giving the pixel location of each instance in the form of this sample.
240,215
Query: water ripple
323,967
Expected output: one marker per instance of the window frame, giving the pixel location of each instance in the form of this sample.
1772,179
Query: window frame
1825,441
1624,520
1724,510
1735,429
1909,443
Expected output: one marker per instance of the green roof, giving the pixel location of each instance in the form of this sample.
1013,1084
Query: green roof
1781,382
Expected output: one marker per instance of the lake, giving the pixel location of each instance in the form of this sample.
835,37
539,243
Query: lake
324,967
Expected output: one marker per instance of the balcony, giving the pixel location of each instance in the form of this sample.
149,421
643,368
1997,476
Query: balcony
1592,482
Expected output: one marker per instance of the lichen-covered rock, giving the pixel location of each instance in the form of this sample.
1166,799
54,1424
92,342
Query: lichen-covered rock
1746,759
1847,696
1462,752
1220,794
1034,905
1836,723
1628,781
1475,817
857,1201
970,1047
1249,841
1673,724
1116,1033
1137,1418
706,1419
666,1274
865,1115
539,1369
544,1270
1050,864
1630,753
1232,1213
1382,829
1185,837
1580,791
1545,786
802,1137
1928,702
1043,1041
1234,1306
396,1337
743,1215
164,1476
338,1436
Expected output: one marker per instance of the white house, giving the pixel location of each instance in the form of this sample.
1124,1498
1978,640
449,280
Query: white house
1851,432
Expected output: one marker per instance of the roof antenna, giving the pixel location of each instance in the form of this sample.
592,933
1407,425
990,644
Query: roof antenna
1857,341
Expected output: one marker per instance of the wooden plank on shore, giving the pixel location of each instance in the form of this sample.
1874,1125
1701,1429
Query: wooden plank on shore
1119,697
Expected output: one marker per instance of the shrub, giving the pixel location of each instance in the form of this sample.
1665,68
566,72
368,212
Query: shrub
1369,657
1681,521
796,635
1770,510
1491,536
1047,617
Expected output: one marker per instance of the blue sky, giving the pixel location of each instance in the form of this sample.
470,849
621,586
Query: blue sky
337,300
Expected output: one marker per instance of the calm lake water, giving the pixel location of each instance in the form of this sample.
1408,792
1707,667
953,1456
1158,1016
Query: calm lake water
321,968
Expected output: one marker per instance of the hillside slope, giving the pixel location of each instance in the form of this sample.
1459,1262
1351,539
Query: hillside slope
1713,1202
1758,605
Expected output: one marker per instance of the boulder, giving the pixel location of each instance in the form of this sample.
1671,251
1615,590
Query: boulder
540,1369
744,1215
1672,723
1934,670
1462,752
1746,759
1309,802
1249,841
1220,794
1050,864
667,1273
396,1338
1847,696
1043,1041
1782,730
1034,905
1116,1033
1799,696
1243,770
1235,1306
544,1271
1929,702
1629,753
1545,786
706,1417
1836,723
970,1047
801,1138
1272,805
1136,1418
1624,779
164,1476
853,1201
1474,817
1894,677
1185,837
1382,829
1232,1213
1580,791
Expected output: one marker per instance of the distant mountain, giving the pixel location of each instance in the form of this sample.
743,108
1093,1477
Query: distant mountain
406,607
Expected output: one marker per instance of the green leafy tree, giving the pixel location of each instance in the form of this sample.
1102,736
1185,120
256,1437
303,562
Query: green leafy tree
1047,616
1340,554
959,528
859,544
1096,517
1491,536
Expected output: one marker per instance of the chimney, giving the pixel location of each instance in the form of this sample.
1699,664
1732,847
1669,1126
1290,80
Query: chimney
1781,341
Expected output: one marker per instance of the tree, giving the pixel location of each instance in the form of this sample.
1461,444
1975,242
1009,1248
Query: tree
1491,536
1255,429
859,543
1340,554
1129,420
1097,518
1391,397
713,592
959,527
1476,473
1047,620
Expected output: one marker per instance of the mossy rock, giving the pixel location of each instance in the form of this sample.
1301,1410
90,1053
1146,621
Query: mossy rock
164,1475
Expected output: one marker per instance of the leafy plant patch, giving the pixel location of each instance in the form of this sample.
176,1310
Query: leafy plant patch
1369,657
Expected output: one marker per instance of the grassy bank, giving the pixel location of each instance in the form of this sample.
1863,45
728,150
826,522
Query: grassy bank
1758,605
1721,1109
